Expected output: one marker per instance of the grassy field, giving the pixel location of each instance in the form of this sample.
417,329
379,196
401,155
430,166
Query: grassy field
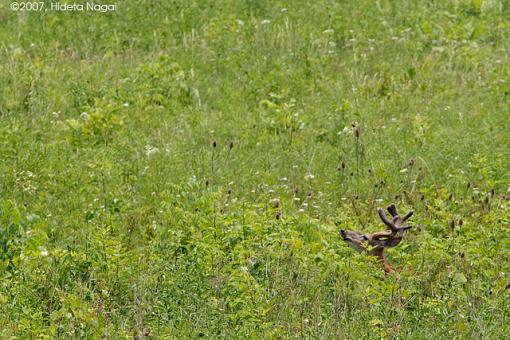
181,169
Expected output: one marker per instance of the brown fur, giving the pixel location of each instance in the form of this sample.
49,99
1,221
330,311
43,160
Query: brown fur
379,241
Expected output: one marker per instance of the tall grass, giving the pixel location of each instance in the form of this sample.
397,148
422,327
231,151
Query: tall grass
182,168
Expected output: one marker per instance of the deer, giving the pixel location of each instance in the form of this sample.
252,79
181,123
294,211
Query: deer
375,243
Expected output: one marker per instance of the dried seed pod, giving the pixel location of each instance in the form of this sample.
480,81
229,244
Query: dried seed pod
276,203
357,132
452,225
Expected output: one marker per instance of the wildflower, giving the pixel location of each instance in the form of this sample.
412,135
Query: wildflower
150,150
309,177
43,251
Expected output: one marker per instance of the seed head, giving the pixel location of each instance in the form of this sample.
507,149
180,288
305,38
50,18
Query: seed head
276,203
357,132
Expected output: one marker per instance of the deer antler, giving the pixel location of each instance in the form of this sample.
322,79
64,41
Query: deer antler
379,241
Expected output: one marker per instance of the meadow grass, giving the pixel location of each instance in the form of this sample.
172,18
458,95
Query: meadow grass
181,169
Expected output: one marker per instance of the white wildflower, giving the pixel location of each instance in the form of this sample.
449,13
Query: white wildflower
309,177
150,150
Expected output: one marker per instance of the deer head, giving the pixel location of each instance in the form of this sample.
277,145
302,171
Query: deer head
376,243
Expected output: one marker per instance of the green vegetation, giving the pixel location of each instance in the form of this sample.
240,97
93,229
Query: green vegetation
181,169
